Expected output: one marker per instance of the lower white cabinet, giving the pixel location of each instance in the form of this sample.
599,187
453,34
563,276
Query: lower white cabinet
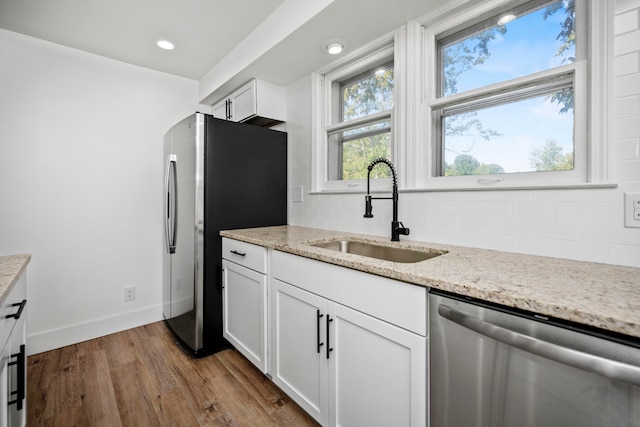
244,300
343,366
244,312
13,358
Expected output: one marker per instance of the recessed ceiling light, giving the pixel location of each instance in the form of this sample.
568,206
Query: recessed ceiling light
505,19
334,48
165,44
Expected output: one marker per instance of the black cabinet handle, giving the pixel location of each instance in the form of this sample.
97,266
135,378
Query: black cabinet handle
21,365
238,253
329,348
318,316
19,312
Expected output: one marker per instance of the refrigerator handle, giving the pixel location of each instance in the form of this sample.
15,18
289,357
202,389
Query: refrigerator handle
171,203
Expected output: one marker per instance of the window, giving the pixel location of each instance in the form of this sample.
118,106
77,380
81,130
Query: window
507,94
357,123
363,132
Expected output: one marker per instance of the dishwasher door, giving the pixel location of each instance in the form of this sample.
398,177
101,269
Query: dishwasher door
492,368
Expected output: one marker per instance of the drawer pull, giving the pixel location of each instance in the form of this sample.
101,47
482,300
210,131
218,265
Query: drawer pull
19,312
319,344
21,365
238,253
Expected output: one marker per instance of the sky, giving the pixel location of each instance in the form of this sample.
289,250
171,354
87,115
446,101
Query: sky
529,45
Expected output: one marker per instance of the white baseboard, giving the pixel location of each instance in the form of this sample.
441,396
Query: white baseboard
56,338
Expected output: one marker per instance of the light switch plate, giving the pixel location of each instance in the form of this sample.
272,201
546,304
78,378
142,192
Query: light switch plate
296,193
632,210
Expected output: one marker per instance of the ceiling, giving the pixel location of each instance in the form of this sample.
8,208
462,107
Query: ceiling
206,31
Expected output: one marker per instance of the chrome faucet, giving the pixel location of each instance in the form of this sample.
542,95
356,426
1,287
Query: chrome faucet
397,228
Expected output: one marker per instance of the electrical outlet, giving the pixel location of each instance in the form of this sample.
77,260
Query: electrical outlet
632,210
296,193
130,293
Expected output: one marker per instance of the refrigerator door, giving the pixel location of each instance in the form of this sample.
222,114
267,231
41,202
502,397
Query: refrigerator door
184,209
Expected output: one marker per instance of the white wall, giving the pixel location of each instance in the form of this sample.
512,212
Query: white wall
578,224
81,166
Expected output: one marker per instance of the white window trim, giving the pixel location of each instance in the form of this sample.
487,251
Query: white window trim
322,112
594,115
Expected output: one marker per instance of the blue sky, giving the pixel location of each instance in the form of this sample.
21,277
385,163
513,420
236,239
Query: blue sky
528,46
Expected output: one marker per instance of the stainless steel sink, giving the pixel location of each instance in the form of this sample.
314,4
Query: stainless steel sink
372,250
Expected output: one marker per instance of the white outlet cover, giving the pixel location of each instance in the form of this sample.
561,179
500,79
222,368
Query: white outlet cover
296,193
631,202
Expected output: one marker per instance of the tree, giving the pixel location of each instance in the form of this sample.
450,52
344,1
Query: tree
371,94
465,164
549,157
567,35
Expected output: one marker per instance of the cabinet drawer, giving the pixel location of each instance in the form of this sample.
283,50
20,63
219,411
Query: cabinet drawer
16,296
399,303
245,254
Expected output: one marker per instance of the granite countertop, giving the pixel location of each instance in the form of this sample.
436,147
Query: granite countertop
598,295
11,267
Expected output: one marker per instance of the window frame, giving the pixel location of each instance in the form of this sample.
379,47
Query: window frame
327,113
591,83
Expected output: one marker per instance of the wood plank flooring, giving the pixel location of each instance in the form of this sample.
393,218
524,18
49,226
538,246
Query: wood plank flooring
142,377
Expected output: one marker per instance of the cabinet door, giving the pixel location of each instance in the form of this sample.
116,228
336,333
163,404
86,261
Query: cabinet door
243,102
377,372
244,311
220,110
299,364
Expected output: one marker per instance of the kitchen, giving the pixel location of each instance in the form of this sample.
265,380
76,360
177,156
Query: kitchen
80,192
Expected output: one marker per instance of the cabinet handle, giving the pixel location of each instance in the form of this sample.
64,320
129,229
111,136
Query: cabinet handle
319,344
238,253
229,111
20,362
19,312
329,348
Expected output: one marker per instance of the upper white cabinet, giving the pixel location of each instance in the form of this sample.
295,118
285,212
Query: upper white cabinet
257,102
244,296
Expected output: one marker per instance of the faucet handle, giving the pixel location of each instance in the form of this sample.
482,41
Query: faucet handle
401,229
367,207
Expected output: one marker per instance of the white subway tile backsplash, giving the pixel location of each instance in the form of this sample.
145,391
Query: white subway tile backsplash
555,230
628,106
537,210
626,255
514,227
534,246
583,212
627,149
626,22
627,85
607,233
628,170
586,251
474,224
495,242
494,209
627,42
626,64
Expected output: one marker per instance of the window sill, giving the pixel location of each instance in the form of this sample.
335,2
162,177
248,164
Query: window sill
588,185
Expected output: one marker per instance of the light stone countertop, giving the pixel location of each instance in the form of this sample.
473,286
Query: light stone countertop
11,267
598,295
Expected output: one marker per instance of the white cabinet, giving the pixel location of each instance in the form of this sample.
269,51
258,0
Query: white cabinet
348,347
244,296
13,358
257,102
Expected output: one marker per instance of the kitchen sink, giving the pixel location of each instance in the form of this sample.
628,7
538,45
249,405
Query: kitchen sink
372,250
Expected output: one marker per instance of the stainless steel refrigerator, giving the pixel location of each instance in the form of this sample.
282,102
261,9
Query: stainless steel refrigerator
218,175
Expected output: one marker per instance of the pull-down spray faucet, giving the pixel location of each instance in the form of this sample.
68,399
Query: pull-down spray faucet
397,228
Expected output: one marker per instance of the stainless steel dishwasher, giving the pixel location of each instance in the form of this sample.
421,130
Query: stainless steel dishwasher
495,367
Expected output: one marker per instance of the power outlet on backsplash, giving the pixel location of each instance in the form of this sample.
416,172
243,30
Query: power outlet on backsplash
632,210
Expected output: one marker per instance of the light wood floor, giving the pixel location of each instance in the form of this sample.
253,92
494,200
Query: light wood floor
141,377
